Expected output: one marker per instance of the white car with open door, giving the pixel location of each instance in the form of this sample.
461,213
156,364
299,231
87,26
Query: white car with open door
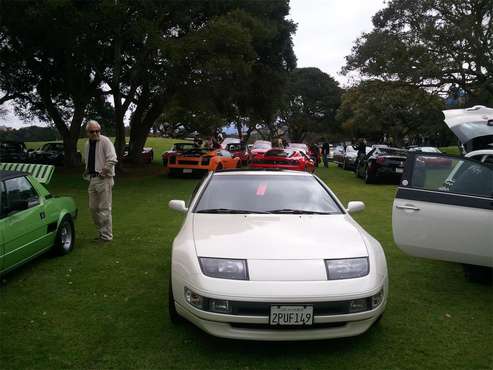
274,255
443,208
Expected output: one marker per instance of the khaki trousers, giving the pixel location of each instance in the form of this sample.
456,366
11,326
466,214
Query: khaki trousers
100,205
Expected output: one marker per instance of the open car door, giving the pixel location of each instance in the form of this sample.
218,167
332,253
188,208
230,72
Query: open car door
443,209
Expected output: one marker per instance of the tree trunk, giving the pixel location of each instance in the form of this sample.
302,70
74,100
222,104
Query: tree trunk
70,135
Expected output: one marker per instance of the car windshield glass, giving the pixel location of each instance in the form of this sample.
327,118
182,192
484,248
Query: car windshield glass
266,193
388,151
183,146
262,146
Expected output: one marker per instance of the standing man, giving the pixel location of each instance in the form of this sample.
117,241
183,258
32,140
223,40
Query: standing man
100,159
325,153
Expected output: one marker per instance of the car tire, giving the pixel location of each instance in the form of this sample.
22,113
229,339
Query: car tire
219,167
478,274
238,165
173,314
65,237
344,165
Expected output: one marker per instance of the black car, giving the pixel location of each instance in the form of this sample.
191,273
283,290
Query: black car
382,163
50,153
13,152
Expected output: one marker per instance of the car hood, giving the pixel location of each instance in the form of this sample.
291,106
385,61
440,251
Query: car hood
277,237
471,123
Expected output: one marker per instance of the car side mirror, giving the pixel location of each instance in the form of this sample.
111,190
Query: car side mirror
178,205
355,206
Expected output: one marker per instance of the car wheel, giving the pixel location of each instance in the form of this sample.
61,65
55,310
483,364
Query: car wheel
478,274
219,167
173,315
65,236
344,165
172,172
238,165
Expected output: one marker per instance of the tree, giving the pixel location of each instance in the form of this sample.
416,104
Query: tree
311,101
47,64
375,108
437,44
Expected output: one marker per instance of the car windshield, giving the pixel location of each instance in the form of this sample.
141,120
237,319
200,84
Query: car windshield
183,146
53,146
266,193
262,145
390,151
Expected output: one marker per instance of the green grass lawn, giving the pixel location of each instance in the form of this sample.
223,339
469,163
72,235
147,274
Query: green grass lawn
105,306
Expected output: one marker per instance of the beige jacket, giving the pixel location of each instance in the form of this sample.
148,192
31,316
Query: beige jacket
105,156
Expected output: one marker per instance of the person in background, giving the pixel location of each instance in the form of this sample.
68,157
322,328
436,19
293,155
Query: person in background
100,158
325,153
361,148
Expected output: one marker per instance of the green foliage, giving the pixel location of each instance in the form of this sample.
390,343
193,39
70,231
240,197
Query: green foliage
31,133
431,43
311,100
397,109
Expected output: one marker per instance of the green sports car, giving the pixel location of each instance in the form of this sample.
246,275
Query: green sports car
32,220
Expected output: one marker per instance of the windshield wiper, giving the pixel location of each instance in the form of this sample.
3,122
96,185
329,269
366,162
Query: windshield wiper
297,212
228,211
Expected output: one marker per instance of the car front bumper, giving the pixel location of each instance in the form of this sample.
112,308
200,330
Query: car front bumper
256,327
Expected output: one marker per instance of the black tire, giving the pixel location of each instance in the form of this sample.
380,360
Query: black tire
172,172
238,165
173,315
65,237
219,167
344,165
377,321
478,274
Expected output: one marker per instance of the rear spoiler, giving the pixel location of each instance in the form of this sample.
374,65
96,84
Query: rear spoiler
41,172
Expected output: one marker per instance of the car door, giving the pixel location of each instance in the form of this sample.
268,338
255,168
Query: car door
445,212
24,231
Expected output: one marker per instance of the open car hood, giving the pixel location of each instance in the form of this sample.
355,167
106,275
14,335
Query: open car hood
470,124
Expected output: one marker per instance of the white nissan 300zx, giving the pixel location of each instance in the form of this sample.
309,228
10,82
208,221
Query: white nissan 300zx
274,255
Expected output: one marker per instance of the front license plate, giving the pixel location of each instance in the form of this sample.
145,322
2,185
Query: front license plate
291,315
187,170
399,170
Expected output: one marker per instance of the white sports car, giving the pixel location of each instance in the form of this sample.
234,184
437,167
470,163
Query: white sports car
274,255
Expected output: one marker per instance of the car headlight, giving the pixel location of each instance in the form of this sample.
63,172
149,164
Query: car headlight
224,268
348,268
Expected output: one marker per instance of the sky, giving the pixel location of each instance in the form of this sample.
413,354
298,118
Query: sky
326,32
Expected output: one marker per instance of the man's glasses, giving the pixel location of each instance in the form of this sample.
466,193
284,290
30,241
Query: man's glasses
94,131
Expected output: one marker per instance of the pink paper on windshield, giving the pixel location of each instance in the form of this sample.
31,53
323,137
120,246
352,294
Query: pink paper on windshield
261,189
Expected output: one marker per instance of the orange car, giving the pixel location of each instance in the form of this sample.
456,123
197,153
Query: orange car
201,160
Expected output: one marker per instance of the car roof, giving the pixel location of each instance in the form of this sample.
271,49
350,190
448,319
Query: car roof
7,175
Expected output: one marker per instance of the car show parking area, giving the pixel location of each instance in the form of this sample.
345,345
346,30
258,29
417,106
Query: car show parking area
104,306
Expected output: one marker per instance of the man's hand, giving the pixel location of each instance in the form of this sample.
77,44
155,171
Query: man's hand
105,172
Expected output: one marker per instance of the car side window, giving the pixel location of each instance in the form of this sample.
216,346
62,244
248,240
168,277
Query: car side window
226,154
452,175
20,189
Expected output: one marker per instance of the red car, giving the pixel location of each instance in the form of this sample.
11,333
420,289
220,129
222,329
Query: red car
237,151
147,154
288,159
258,150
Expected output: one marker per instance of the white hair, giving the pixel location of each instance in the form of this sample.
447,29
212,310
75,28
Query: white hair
92,123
